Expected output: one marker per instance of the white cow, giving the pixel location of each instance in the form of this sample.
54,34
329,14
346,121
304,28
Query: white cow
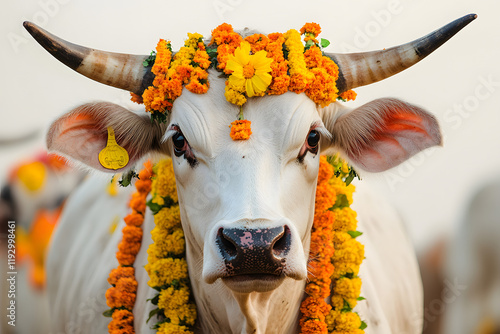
267,182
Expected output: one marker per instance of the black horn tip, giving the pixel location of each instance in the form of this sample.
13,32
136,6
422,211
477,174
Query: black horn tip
69,54
431,42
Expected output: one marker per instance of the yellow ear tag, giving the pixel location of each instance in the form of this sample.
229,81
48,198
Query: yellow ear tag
113,156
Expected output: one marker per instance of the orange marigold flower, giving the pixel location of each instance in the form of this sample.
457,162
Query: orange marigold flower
134,219
120,272
132,234
315,308
313,326
138,202
129,248
125,259
349,95
147,171
325,172
122,318
143,186
136,98
127,284
240,130
311,28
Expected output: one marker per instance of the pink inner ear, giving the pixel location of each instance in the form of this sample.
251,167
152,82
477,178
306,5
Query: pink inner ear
391,132
82,133
79,137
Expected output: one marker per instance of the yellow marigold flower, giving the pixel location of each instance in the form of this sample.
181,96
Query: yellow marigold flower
240,130
32,175
168,243
347,322
172,298
349,288
164,271
164,183
169,328
340,237
249,71
234,96
192,41
168,218
346,220
174,304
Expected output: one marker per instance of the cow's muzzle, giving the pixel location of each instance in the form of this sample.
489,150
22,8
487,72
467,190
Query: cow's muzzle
259,251
255,258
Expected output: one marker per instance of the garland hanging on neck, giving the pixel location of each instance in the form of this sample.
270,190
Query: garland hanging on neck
335,257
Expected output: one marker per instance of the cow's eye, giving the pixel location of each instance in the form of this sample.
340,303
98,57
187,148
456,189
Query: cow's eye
311,144
180,144
182,147
313,141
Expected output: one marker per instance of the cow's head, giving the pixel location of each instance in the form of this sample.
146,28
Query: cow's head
247,206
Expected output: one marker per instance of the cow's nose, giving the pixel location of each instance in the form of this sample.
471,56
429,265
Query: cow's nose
254,251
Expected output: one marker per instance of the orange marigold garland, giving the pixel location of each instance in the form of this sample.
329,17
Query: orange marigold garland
122,294
334,227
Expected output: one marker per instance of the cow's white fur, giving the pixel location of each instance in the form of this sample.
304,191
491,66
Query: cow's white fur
252,183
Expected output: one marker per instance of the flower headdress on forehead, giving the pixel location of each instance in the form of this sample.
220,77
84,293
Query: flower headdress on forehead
256,65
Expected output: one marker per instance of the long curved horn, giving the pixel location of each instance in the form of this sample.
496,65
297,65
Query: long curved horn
119,70
360,69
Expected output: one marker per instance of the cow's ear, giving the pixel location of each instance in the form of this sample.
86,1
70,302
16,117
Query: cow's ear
382,133
83,132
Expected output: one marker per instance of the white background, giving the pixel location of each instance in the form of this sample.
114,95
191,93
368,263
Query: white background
430,191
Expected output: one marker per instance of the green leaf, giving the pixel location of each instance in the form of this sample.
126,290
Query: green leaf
341,202
363,325
354,234
152,313
176,284
155,299
324,43
348,275
168,201
150,60
127,178
346,308
351,176
159,117
154,207
361,298
108,313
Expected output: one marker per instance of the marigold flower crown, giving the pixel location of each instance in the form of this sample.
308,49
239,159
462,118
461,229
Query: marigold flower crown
256,65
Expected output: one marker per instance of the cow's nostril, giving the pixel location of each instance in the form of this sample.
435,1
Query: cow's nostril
282,243
226,245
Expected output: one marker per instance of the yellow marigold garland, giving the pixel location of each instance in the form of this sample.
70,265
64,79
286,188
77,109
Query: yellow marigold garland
120,297
167,266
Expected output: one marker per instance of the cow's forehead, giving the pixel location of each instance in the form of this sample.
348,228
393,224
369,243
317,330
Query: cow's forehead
277,120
